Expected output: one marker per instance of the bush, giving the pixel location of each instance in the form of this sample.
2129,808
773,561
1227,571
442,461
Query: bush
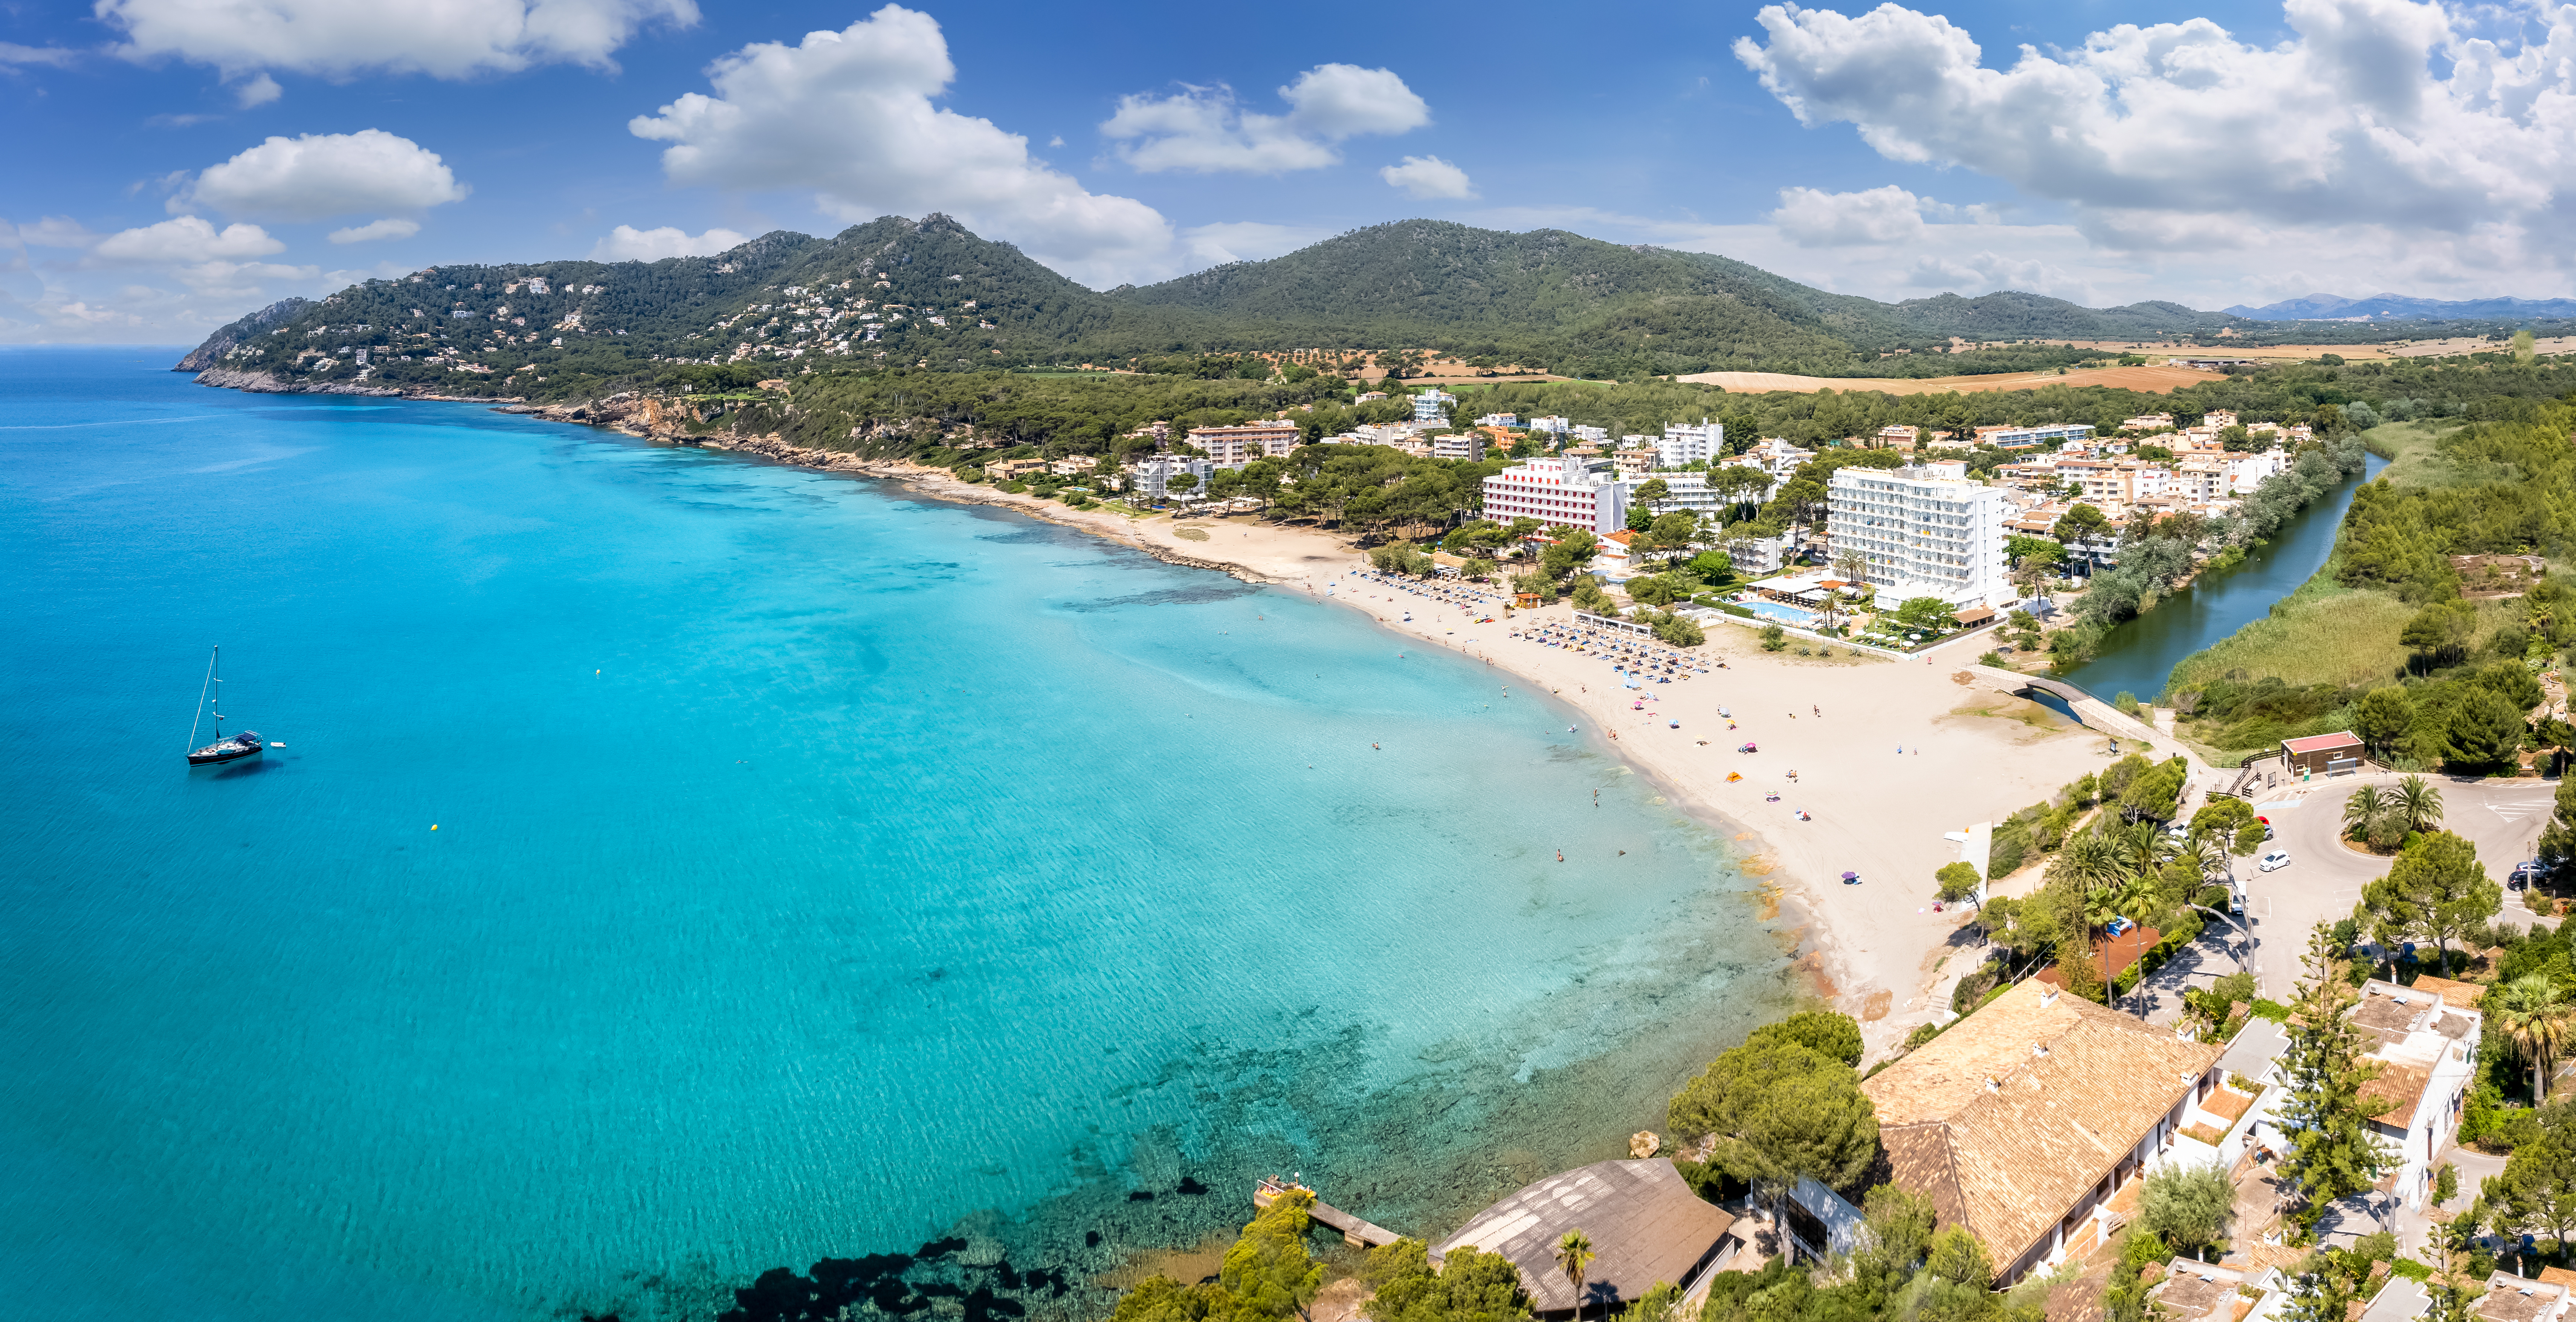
1774,638
1679,632
1992,658
2265,1008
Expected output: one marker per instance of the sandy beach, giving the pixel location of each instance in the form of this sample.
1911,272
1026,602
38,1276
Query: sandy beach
1876,950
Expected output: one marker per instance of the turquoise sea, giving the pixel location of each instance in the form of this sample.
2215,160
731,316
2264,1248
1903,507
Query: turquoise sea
819,872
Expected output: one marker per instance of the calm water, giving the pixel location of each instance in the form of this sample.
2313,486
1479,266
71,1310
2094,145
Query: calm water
2139,655
817,872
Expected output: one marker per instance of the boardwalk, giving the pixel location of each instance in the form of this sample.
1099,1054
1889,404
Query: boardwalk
1355,1232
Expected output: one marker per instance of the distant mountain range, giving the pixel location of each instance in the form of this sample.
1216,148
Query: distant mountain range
929,293
2395,307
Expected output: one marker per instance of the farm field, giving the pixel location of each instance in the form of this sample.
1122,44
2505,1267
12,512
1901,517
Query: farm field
2154,380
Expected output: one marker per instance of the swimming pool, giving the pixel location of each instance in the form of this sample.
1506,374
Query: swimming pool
1785,614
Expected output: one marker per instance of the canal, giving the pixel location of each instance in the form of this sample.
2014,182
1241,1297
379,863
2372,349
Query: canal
2138,655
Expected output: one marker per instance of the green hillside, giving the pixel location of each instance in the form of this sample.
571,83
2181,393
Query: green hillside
932,295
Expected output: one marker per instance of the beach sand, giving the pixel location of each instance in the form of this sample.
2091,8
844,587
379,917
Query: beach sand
1876,950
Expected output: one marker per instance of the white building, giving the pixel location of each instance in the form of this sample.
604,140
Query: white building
1469,446
2023,438
1498,420
1431,405
1554,426
1927,531
1593,435
1560,489
1233,447
1776,457
1151,479
1685,443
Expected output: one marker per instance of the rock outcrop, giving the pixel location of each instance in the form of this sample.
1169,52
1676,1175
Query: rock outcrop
230,337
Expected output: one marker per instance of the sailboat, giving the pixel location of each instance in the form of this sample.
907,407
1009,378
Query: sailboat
210,700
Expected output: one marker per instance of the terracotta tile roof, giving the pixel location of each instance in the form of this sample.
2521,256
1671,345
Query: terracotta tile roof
2457,995
2009,1161
2401,1085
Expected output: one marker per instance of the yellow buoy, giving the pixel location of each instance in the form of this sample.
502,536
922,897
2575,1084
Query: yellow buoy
433,826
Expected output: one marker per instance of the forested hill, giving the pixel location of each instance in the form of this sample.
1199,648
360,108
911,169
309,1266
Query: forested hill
930,294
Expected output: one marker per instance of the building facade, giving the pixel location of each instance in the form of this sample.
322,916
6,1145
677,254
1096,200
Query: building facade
1926,531
1432,405
1152,479
1560,490
1686,443
2023,438
1469,446
1233,447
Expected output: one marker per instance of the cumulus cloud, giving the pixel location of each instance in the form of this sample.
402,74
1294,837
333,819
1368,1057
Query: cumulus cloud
443,38
629,244
1985,272
848,114
389,228
320,175
1428,176
259,91
2377,115
185,239
1813,218
49,232
1203,128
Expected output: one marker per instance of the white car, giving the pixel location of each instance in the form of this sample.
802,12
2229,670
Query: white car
2274,861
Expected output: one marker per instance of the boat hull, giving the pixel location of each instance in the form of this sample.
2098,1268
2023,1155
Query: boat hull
230,750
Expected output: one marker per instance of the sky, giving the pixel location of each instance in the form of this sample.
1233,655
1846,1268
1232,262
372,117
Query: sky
169,165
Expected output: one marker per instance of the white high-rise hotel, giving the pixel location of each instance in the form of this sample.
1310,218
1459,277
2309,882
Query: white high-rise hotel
1928,531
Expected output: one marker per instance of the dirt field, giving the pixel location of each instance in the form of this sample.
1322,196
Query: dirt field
2350,352
2154,380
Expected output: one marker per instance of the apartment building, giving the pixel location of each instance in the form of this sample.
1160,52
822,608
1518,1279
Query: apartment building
1153,479
1498,420
1926,531
1636,462
1233,447
1552,425
1432,405
1565,489
1776,457
1685,443
1468,445
1896,436
2149,422
1074,463
2023,438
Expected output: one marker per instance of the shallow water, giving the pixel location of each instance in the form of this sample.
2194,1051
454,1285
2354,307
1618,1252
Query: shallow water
818,872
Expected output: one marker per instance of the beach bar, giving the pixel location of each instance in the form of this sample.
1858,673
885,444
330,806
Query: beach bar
2324,754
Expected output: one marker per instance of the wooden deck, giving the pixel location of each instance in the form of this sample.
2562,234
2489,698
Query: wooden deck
1355,1232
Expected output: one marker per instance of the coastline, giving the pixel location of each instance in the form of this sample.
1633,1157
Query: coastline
1881,958
1970,754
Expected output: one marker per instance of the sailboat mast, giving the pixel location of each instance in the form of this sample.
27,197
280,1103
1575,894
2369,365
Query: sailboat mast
202,691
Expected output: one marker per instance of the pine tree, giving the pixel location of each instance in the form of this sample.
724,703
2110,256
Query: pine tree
2332,1151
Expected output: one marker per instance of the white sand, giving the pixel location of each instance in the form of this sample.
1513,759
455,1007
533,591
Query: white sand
1971,755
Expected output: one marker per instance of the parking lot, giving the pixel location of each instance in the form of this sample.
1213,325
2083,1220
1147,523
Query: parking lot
2324,877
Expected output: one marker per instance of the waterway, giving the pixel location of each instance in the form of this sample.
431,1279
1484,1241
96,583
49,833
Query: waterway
671,866
2138,656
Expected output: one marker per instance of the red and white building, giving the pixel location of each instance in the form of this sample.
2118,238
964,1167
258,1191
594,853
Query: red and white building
1560,489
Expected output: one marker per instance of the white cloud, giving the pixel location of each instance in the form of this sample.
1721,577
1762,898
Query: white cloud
849,115
443,38
1203,129
388,228
50,232
1246,241
1813,218
1428,176
629,244
12,54
325,174
186,239
2379,122
259,91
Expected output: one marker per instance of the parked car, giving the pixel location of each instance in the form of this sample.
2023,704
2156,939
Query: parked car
2527,872
2274,861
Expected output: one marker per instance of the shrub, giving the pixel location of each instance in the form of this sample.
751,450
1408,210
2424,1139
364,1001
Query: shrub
1774,638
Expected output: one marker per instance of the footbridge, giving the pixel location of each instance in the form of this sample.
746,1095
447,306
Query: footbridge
2092,711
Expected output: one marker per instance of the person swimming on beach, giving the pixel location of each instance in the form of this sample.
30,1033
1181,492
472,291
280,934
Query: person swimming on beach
1560,856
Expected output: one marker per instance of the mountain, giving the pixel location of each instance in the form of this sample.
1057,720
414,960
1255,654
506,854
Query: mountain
930,294
2395,307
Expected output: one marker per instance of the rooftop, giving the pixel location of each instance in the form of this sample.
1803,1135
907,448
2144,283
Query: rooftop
2194,1289
2510,1298
1645,1224
2006,1120
2318,743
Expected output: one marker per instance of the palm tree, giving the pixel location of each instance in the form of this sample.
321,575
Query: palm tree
2363,810
2417,803
1573,1256
2142,849
2532,1015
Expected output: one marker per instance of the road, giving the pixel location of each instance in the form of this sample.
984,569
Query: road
2323,882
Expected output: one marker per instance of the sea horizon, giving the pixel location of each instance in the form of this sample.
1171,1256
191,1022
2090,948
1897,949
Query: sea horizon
819,872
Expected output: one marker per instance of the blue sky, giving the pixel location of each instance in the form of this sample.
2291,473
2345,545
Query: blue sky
175,163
